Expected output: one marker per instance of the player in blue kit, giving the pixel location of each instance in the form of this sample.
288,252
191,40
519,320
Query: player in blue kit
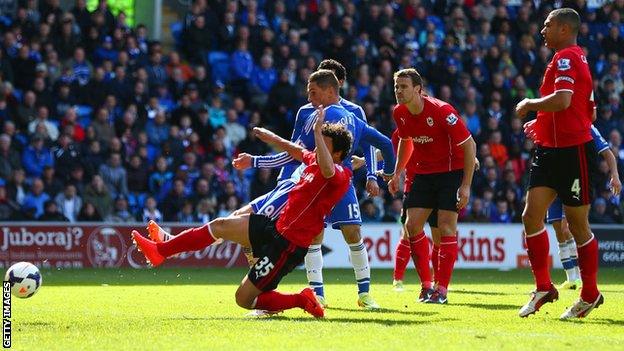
323,90
555,215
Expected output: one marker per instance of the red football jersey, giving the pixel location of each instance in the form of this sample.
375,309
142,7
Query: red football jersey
311,200
568,71
437,133
409,169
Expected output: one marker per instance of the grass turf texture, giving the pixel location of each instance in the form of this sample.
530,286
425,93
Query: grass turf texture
194,309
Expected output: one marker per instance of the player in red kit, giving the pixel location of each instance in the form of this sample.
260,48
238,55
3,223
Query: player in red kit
280,245
564,163
443,162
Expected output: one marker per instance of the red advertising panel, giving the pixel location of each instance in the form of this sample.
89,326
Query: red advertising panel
99,245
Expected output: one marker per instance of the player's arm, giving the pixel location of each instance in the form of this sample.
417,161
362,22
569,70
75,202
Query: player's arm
373,137
557,101
295,151
470,151
404,152
616,185
323,156
245,160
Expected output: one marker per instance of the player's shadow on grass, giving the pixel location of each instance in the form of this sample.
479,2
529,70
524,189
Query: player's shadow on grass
329,319
589,320
472,292
383,310
488,306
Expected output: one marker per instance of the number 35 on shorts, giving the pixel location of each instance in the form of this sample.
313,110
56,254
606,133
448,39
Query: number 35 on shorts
263,267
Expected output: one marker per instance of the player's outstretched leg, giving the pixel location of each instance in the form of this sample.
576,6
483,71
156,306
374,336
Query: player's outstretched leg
272,301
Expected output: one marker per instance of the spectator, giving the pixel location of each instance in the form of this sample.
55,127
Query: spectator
9,157
150,211
69,202
114,175
51,184
393,213
51,213
121,212
97,194
36,157
88,213
36,198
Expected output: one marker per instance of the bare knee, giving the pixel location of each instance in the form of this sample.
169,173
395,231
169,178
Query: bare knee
447,229
412,227
317,239
351,233
531,218
243,298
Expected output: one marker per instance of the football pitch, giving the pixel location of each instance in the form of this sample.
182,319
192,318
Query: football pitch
194,309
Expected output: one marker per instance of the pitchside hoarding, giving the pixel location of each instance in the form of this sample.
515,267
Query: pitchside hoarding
98,245
60,245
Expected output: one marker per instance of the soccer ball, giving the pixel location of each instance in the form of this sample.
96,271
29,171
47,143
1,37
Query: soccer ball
25,279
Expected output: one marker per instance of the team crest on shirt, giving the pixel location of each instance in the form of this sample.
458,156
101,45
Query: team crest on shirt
563,64
451,119
430,121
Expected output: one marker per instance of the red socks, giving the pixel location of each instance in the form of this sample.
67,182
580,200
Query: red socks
402,256
275,301
419,246
189,240
588,263
434,261
446,261
538,250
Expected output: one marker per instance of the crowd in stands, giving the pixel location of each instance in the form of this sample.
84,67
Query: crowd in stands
100,122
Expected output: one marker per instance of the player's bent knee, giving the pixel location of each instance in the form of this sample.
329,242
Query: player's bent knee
243,298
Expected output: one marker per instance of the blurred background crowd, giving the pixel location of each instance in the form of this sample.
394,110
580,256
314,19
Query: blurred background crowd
100,122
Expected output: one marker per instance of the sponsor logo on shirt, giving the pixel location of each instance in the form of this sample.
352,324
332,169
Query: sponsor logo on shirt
451,119
566,78
563,64
308,177
430,121
423,139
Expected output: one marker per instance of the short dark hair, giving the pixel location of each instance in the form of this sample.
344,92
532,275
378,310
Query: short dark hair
339,70
567,16
324,78
410,73
340,136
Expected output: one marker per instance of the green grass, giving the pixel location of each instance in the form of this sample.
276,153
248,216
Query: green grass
194,309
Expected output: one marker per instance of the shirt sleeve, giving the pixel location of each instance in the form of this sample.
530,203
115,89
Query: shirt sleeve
400,123
309,157
454,125
566,66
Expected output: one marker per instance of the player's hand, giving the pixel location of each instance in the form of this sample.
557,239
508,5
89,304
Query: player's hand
616,185
264,134
357,162
523,108
393,184
320,119
463,195
242,161
477,164
372,187
529,129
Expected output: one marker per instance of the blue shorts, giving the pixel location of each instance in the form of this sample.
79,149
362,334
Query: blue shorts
555,211
347,211
272,203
